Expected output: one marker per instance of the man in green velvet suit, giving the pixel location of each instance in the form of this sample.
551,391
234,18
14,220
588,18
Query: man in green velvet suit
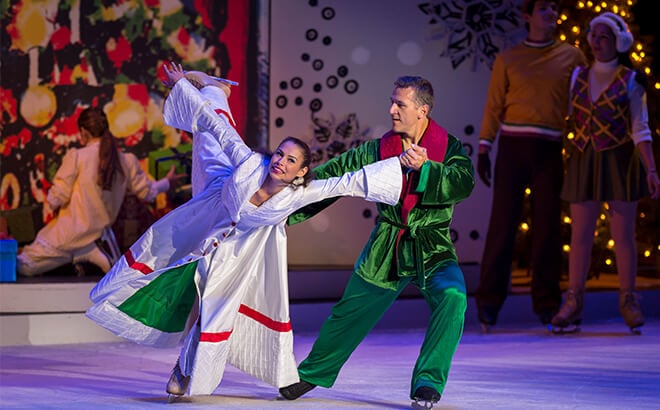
411,242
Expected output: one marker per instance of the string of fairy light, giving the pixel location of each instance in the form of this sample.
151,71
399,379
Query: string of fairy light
573,33
570,31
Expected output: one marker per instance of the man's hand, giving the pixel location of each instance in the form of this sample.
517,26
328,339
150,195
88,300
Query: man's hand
414,157
483,167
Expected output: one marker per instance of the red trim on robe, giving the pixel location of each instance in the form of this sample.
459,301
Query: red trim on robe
214,337
265,320
138,266
435,140
252,314
226,114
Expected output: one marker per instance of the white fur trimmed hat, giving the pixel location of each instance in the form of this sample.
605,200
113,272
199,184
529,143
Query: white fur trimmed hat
624,38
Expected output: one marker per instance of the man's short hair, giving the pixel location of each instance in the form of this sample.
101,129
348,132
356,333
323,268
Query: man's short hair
527,6
423,89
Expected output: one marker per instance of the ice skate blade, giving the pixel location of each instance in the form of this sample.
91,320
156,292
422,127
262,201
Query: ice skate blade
485,328
222,80
173,398
565,330
637,330
422,404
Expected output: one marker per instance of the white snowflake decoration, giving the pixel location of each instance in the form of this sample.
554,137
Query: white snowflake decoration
474,29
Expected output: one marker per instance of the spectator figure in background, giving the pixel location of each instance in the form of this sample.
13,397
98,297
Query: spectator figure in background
87,194
224,251
527,105
410,243
609,159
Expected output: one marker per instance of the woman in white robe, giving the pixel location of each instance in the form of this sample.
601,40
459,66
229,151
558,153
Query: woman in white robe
227,252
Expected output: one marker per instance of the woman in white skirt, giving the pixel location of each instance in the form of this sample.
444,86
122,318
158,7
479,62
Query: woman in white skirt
224,251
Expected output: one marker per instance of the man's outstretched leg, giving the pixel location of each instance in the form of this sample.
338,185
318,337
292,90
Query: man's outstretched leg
357,312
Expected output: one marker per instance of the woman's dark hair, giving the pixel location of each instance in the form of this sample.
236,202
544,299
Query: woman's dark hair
307,157
95,121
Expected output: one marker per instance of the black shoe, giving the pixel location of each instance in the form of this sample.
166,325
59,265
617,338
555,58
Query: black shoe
296,390
546,317
487,315
426,394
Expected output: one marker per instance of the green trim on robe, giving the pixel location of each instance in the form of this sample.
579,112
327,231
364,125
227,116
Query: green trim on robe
423,177
441,185
165,303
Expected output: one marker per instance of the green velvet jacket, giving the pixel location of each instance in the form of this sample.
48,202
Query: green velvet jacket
425,244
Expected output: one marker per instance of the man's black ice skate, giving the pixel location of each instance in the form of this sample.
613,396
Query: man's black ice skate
295,390
487,317
178,384
425,398
545,317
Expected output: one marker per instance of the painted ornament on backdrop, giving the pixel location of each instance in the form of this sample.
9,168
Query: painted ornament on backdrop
469,32
473,31
332,64
60,57
331,134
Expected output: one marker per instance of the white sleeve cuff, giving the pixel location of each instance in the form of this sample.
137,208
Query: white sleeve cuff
384,181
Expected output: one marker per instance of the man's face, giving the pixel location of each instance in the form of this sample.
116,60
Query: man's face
406,114
543,17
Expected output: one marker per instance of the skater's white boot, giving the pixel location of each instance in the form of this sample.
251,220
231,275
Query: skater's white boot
569,316
631,310
177,386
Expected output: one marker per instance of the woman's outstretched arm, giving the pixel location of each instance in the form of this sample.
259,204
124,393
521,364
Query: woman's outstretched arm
186,108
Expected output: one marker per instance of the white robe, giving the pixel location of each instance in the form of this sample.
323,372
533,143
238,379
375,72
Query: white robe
85,210
240,251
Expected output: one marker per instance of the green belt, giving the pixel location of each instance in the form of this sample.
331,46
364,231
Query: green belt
417,249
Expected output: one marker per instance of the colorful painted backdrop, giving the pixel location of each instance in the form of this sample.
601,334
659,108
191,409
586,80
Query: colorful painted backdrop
60,57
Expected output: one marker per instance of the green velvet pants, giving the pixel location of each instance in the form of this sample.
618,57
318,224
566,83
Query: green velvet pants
360,308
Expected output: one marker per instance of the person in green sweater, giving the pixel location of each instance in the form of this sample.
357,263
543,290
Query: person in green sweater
526,106
410,243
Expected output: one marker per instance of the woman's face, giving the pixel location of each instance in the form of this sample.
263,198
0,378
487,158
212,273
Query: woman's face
287,163
85,136
603,43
